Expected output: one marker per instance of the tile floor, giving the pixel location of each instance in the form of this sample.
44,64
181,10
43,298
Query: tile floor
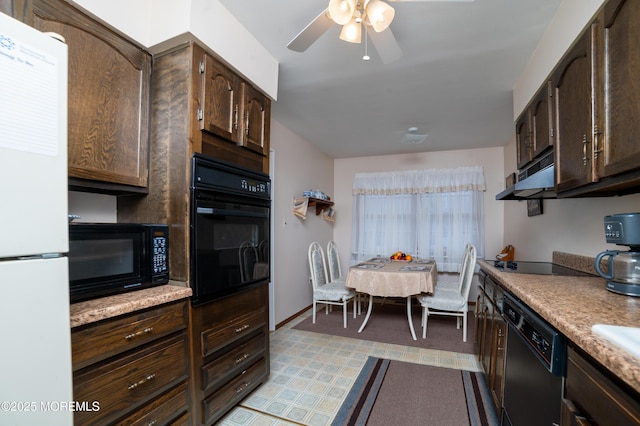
312,373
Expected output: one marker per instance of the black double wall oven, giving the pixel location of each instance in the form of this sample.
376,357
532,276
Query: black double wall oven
229,229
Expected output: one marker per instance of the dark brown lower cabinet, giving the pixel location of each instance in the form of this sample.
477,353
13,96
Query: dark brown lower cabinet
491,337
230,339
592,396
135,367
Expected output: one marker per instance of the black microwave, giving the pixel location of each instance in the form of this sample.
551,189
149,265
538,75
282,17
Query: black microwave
111,258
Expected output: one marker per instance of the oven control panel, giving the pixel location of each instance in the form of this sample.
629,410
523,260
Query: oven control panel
215,175
253,186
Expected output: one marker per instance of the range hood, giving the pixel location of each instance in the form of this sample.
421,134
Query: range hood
536,181
538,185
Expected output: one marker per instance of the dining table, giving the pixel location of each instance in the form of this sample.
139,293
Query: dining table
383,277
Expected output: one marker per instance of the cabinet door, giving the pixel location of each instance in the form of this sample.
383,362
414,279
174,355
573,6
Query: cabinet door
219,100
109,97
485,356
477,333
541,120
499,347
620,38
572,90
256,120
523,139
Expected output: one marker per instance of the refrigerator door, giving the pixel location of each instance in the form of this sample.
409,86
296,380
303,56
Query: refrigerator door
35,361
33,146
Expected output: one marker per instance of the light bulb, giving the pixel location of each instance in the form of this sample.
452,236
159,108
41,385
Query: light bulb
380,15
351,32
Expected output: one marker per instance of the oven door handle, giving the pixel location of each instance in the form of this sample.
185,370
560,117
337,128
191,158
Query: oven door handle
226,212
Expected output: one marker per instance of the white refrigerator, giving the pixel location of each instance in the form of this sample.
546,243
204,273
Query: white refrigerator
35,338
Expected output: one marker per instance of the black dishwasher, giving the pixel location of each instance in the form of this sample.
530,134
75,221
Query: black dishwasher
535,367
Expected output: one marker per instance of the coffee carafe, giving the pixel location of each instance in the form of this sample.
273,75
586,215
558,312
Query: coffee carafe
623,267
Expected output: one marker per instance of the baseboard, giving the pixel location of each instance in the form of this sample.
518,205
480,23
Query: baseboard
292,317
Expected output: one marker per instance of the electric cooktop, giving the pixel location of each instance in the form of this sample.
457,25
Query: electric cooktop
537,268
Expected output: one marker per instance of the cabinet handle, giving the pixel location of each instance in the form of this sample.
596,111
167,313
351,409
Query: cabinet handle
235,117
246,119
139,333
584,149
242,358
242,387
141,382
243,328
152,422
596,139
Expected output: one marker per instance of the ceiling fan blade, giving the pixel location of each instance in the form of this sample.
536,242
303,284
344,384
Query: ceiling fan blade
386,45
311,32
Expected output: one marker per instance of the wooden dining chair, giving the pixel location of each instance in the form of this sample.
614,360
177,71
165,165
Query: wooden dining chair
451,301
326,291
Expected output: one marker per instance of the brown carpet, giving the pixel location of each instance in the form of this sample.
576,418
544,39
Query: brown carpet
400,393
388,324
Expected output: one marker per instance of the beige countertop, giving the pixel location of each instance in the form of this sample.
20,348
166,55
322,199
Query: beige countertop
111,306
572,305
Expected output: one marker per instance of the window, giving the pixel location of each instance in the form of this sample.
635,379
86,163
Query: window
430,213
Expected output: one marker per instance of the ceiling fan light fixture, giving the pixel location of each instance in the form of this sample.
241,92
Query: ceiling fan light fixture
351,32
379,14
341,11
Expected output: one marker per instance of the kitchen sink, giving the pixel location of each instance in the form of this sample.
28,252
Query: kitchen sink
628,338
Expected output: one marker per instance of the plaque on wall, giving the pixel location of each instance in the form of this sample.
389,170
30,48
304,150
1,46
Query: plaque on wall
534,207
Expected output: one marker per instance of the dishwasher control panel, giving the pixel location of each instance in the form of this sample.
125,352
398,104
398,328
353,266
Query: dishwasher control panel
545,342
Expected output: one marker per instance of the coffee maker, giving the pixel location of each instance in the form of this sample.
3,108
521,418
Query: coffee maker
623,267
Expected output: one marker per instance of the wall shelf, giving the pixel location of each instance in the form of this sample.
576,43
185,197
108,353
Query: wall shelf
320,204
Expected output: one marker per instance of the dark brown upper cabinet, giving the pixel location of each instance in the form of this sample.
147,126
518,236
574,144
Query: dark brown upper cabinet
534,127
572,83
220,100
617,145
109,100
232,109
256,120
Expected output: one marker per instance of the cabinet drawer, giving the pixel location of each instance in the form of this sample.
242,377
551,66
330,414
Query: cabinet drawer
217,337
162,410
216,405
218,371
99,341
131,381
596,396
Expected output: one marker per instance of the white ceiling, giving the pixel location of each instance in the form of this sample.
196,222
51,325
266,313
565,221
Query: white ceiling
454,81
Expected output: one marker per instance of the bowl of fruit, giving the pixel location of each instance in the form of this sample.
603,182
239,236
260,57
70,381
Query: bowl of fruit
399,255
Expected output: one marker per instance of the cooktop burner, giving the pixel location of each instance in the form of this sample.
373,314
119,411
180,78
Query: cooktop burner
538,268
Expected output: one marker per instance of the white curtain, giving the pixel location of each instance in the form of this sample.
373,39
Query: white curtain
430,213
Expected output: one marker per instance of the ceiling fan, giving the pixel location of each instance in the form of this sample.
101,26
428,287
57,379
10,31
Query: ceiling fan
374,16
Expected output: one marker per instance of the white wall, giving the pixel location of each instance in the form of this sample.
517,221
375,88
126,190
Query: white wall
299,166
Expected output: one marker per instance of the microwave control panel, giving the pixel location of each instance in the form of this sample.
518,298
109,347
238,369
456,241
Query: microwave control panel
160,255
